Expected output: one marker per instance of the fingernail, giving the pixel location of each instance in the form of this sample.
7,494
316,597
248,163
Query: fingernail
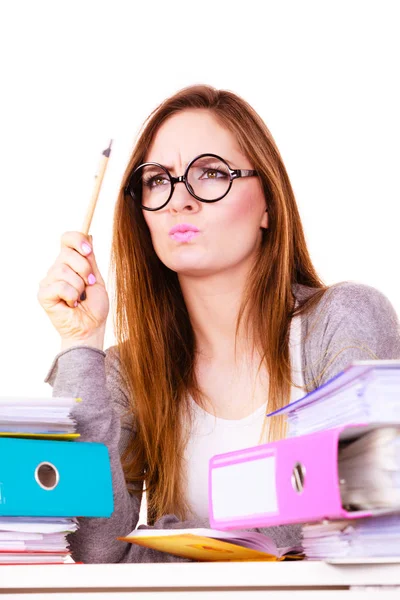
91,279
75,304
86,248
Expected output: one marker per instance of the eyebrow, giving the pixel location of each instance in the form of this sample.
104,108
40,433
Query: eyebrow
169,168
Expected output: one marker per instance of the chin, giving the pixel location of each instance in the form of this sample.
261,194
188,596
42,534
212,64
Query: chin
183,259
189,266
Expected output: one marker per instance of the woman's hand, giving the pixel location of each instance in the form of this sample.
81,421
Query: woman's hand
60,291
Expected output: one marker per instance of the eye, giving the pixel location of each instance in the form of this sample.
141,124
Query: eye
212,174
155,181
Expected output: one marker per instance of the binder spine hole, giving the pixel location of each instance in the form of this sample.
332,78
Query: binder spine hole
47,476
298,477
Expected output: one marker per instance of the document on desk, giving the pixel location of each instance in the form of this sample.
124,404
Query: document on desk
34,541
203,544
372,538
46,480
346,472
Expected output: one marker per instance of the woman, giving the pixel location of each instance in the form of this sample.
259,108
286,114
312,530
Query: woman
220,316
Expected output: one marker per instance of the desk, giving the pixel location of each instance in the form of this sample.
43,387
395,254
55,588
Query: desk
200,581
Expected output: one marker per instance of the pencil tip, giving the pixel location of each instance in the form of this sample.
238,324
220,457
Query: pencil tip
107,151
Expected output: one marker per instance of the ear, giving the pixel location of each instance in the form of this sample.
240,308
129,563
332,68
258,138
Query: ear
264,220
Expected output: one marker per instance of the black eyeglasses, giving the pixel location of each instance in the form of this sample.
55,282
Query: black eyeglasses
208,178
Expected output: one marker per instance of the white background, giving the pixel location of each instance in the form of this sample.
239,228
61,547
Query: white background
323,75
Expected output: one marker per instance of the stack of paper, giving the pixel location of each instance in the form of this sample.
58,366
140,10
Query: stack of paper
33,541
375,537
44,417
44,483
365,392
369,471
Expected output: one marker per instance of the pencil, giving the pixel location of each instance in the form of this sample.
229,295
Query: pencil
95,194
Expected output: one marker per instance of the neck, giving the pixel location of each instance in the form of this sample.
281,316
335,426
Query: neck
213,303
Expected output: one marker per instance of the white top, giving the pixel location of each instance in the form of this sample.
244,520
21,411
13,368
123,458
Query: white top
212,435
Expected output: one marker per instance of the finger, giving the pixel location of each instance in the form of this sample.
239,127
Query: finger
92,260
70,260
82,297
63,272
82,245
77,241
59,291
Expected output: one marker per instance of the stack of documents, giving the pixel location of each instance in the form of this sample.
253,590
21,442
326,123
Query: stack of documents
337,473
346,472
34,541
377,537
365,392
369,470
44,483
37,417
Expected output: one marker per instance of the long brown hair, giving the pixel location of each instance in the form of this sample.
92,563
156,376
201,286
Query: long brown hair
152,326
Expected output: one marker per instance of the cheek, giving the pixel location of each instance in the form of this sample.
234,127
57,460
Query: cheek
246,210
152,224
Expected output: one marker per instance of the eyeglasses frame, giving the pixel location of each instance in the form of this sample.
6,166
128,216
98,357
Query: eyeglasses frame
234,174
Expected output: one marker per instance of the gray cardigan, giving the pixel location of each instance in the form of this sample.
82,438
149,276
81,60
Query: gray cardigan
351,322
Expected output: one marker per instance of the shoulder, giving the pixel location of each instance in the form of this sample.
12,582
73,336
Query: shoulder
359,306
352,321
346,295
349,294
353,303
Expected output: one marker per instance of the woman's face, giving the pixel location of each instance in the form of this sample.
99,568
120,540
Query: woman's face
230,229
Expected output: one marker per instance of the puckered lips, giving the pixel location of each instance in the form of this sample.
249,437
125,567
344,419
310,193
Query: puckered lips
183,232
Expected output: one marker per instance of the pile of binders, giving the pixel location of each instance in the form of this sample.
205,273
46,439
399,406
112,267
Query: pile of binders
337,473
47,480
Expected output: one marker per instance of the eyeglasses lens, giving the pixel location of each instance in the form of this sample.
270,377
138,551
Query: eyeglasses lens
208,178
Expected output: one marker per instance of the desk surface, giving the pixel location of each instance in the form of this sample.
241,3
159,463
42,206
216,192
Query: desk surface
195,576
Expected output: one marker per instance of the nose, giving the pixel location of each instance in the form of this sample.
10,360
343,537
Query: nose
181,199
